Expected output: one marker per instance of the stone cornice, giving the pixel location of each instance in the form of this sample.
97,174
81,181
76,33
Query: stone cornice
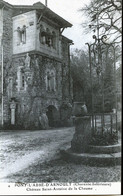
37,53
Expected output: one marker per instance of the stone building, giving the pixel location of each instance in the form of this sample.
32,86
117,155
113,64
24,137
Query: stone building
36,85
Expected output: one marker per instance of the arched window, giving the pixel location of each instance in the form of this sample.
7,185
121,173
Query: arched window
50,80
48,37
42,35
18,36
21,79
54,40
21,34
10,87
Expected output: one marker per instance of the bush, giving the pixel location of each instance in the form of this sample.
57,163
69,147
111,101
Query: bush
105,139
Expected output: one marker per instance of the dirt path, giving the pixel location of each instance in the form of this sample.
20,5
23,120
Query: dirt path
20,150
31,157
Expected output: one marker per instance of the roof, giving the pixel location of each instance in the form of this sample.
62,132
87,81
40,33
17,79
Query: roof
3,3
39,7
67,40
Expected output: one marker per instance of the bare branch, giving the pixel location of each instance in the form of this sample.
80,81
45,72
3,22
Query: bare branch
115,27
117,7
108,13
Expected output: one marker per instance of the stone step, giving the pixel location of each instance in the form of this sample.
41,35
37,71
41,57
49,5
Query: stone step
92,159
105,149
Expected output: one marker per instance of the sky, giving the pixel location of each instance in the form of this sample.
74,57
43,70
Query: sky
69,10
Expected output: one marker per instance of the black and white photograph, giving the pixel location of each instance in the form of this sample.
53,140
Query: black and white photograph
60,97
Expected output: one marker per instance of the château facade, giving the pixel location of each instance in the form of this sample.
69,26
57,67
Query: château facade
35,67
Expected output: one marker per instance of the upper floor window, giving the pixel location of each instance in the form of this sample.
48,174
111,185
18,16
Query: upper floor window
42,35
47,37
54,40
21,35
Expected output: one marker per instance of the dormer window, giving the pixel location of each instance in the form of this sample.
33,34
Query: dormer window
21,35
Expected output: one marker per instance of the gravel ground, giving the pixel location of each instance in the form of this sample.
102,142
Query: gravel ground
32,157
62,171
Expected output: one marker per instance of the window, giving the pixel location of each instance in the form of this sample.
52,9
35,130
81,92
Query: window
10,87
50,80
23,108
31,23
46,37
21,35
43,37
21,79
48,41
54,40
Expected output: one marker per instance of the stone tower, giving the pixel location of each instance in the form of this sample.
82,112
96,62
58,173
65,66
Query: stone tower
35,67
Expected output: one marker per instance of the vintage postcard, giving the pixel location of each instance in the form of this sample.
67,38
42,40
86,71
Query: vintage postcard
60,97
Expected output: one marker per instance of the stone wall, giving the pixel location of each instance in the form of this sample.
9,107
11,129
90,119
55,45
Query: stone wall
1,32
37,80
27,20
7,34
7,54
35,99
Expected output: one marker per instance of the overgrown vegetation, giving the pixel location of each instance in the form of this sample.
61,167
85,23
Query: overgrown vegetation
105,139
82,84
103,17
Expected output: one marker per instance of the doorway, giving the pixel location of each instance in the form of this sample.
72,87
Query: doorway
53,115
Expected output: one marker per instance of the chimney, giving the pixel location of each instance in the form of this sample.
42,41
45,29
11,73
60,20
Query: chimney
46,3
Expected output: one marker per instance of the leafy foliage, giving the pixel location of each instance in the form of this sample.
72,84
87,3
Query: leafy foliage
82,83
81,76
106,139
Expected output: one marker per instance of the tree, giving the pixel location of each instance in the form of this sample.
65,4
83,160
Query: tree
104,89
109,15
104,18
82,89
109,86
81,77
